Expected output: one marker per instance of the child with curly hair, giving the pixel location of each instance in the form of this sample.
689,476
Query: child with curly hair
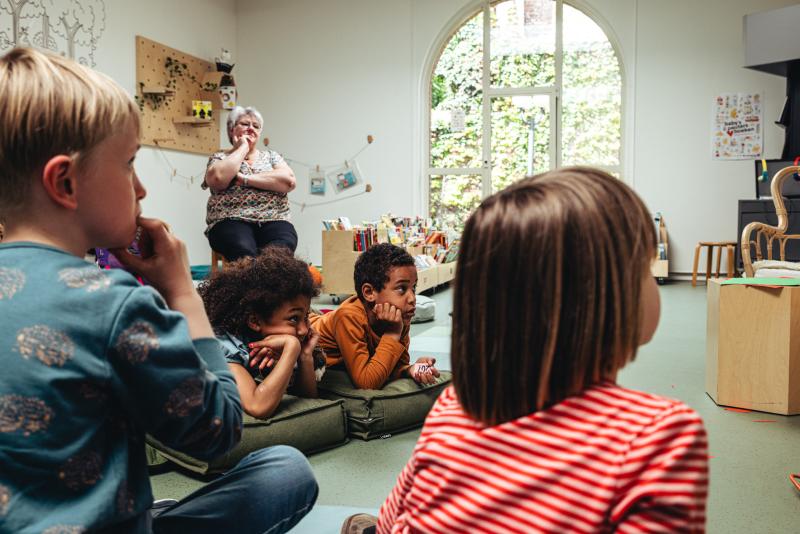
92,360
258,308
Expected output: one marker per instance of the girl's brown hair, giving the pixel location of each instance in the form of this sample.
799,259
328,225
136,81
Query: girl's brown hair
547,291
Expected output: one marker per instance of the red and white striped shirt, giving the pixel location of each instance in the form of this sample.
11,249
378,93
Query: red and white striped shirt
608,460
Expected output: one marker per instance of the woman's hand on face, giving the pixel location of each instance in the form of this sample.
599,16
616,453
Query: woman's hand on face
248,139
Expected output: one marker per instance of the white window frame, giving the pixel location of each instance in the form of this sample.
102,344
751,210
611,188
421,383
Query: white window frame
485,170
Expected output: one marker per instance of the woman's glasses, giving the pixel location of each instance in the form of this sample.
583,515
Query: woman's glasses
248,124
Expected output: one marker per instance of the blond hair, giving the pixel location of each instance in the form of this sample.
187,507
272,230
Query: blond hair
50,106
571,248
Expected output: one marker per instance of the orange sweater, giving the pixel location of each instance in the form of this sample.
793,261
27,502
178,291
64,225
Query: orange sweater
347,338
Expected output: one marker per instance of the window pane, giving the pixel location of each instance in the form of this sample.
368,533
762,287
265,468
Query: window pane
453,197
456,119
520,138
592,94
523,43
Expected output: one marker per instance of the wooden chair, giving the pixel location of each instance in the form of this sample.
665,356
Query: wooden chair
760,235
216,258
711,246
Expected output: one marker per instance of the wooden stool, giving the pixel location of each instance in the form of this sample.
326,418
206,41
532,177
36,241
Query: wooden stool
216,257
730,247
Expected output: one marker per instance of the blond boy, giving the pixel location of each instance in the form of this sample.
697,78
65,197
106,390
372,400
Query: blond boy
91,360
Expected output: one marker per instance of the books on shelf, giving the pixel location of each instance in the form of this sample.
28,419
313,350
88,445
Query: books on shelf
430,246
364,238
342,223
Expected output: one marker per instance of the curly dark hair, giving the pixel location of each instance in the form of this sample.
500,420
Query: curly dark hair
254,285
373,266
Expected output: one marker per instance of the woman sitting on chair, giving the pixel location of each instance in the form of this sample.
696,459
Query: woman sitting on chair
249,207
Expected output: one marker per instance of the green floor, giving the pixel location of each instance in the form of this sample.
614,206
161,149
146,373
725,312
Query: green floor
750,463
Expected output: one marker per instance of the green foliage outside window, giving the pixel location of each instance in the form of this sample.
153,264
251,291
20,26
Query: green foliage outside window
590,116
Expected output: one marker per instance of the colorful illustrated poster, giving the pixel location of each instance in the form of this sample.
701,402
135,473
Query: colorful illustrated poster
738,131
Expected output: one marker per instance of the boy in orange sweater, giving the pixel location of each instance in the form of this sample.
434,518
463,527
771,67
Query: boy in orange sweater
369,333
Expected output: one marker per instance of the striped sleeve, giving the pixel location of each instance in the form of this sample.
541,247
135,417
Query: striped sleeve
392,508
664,482
395,504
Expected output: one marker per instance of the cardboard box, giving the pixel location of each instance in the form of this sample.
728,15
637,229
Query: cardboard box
753,347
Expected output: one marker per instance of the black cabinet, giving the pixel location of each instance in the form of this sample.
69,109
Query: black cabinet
763,210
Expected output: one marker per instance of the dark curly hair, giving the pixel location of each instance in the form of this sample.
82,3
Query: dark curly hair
254,285
373,266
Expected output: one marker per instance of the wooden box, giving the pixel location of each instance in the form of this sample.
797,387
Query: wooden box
753,347
660,268
338,259
446,272
427,278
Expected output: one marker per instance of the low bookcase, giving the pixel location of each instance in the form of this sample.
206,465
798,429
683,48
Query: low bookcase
339,258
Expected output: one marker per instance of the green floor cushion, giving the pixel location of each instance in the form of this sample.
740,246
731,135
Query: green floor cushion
373,413
311,425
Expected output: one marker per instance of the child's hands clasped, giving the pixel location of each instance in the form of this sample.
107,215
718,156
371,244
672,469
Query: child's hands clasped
266,353
390,317
423,371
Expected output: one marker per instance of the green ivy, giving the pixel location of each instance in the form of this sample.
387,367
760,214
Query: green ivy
590,121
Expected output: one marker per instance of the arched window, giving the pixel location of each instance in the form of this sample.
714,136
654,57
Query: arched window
521,87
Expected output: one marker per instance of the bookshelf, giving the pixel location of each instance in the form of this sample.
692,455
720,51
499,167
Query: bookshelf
339,258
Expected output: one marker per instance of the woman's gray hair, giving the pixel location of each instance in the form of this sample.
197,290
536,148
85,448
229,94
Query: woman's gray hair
237,113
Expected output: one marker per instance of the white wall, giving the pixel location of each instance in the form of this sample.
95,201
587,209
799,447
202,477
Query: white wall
325,74
675,86
197,27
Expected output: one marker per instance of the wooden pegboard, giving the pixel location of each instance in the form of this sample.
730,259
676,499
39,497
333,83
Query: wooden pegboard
159,127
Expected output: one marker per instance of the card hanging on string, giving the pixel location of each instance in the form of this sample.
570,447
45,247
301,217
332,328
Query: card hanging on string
345,177
316,181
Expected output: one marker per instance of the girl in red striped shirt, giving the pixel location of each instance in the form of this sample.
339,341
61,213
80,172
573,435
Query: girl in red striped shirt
553,295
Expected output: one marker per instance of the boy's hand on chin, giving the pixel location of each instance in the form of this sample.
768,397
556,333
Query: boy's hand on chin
164,261
390,318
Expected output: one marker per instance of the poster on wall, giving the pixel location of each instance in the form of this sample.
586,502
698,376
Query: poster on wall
737,130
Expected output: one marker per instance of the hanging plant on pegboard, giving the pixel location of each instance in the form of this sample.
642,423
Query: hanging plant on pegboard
174,70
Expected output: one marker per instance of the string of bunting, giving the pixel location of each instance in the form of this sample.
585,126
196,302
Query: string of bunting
325,168
304,205
370,140
190,179
174,174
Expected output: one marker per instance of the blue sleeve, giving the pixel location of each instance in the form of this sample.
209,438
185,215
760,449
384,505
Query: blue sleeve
177,389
